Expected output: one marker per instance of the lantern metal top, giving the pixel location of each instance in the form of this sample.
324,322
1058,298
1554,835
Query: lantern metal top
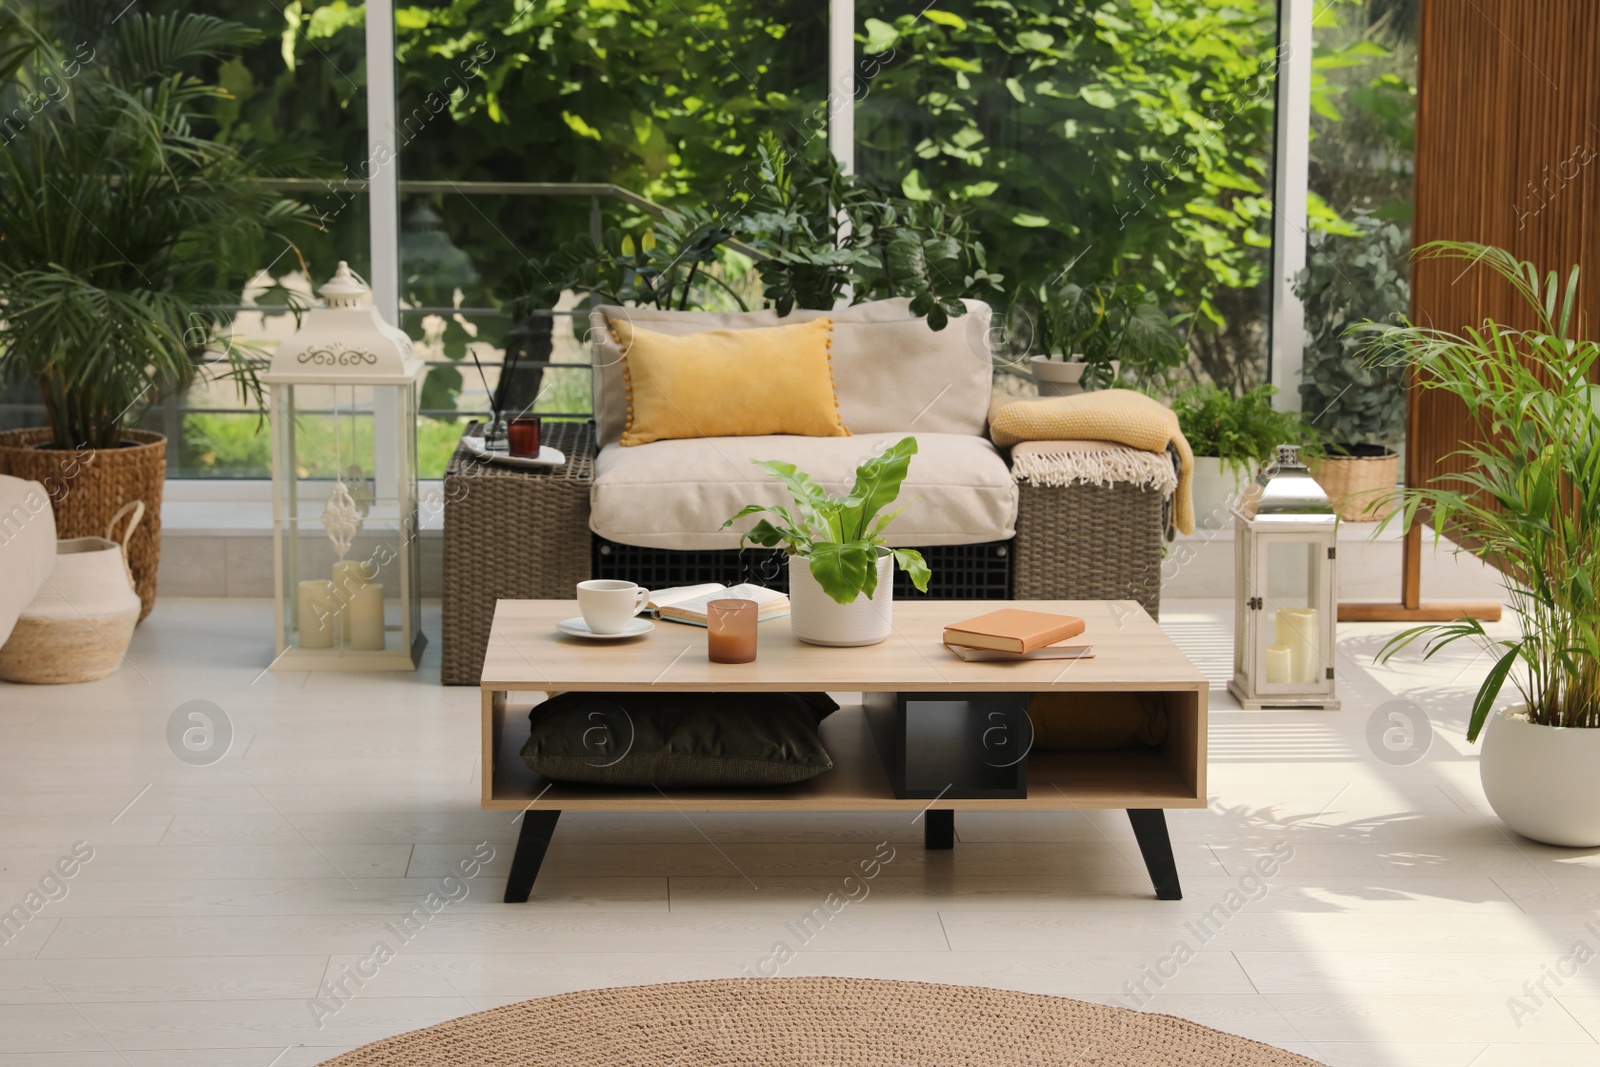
1285,492
345,342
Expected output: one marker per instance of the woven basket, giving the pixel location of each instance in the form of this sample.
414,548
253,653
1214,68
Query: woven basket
1361,488
88,487
79,626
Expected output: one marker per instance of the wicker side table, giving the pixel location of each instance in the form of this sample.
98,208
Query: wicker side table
519,534
1089,542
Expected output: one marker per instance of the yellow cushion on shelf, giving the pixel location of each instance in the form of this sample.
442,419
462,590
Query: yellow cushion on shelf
728,383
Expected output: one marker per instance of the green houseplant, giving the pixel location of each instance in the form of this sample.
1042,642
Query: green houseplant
1231,437
1083,332
1359,405
1530,504
839,565
817,236
123,227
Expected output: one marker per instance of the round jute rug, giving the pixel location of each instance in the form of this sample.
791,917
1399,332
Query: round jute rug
815,1022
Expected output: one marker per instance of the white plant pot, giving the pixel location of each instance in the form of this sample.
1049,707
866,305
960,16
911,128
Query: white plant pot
1215,488
1541,779
818,619
1057,377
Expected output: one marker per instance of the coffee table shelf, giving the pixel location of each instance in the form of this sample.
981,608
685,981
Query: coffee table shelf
528,658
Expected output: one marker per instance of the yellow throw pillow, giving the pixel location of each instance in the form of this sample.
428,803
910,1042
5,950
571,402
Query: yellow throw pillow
729,383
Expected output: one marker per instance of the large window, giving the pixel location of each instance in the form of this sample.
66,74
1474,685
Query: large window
526,127
1363,125
1092,142
1081,140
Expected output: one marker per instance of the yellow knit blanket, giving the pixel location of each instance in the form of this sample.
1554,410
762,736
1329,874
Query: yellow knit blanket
1121,415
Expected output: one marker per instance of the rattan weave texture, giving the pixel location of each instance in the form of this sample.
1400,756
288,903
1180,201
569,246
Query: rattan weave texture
816,1022
87,487
1089,542
512,533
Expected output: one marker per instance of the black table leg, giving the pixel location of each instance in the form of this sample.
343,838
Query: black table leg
1150,827
537,826
939,828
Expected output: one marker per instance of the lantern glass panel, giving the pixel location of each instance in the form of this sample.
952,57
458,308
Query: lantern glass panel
1292,580
348,517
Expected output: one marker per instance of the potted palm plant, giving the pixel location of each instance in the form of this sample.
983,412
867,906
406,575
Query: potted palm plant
1231,437
122,229
1359,406
840,585
1530,505
1088,335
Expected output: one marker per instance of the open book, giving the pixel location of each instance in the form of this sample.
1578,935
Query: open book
687,603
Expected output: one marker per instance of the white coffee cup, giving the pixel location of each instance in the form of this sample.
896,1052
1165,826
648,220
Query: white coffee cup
608,603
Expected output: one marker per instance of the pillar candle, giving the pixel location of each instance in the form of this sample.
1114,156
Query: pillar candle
366,617
1297,628
317,613
349,575
1278,666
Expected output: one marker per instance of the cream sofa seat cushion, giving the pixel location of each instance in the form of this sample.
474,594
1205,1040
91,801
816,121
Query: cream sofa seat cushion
891,372
677,494
27,546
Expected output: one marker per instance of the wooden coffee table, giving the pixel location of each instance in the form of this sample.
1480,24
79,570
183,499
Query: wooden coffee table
907,681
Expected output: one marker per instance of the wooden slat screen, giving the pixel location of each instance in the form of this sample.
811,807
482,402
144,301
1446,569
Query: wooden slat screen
1508,154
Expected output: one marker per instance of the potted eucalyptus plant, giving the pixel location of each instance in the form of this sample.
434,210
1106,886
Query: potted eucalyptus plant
122,229
1530,505
1231,437
1359,405
840,584
1087,336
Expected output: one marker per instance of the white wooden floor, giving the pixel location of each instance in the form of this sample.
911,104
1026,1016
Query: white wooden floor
1401,924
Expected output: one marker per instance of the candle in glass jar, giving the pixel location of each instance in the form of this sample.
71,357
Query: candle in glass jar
366,618
731,631
316,613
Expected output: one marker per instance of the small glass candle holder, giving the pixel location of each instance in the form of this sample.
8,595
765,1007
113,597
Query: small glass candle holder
731,631
523,433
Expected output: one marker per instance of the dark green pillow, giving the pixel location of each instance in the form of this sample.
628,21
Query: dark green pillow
680,740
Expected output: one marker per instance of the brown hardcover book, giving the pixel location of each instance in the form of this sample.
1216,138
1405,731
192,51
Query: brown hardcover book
1013,630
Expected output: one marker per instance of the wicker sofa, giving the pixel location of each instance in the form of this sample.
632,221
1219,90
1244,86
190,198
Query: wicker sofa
646,515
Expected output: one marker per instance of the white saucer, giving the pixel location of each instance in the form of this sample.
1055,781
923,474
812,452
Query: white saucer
547,457
578,628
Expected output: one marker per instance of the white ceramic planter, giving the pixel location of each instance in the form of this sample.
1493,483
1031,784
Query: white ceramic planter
1057,377
1541,779
1214,488
818,619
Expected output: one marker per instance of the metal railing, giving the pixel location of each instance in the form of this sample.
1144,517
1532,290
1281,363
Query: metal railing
171,410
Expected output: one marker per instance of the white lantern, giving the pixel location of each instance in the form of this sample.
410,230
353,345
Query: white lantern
1285,571
343,396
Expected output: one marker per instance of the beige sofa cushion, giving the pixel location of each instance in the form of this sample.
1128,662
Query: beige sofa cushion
677,494
892,373
27,546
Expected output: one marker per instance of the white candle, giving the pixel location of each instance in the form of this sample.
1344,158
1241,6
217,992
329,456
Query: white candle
349,575
1278,666
366,618
1297,628
316,613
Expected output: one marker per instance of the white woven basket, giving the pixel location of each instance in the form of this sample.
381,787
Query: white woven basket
78,627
